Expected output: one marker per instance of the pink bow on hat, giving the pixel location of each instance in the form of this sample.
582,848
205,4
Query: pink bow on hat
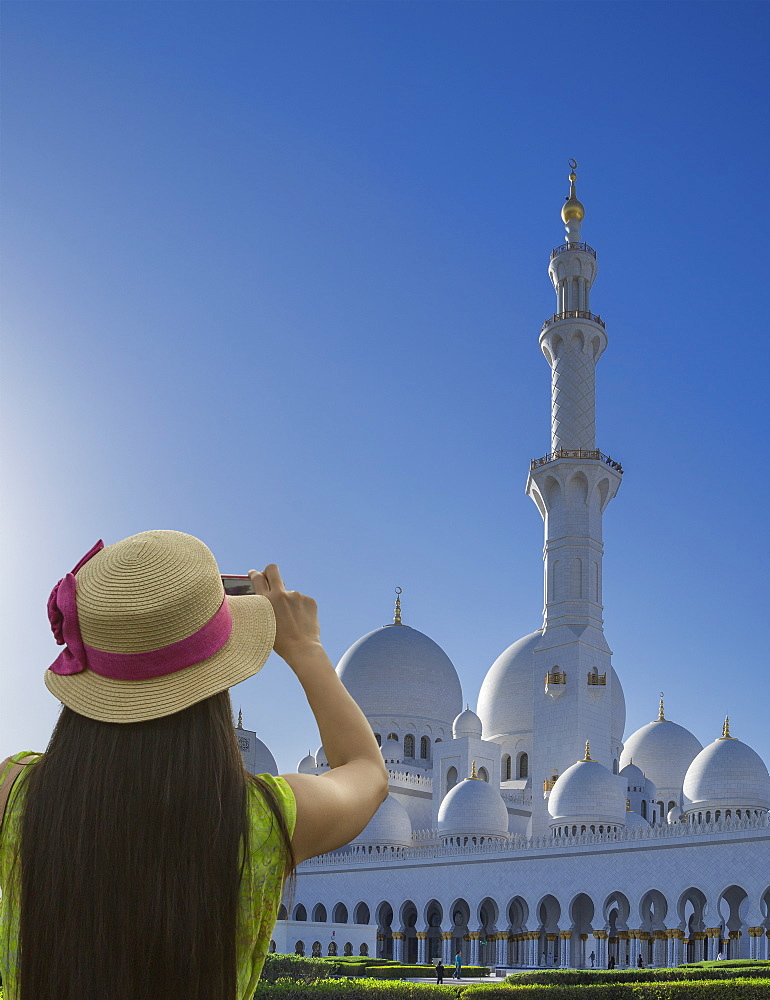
63,616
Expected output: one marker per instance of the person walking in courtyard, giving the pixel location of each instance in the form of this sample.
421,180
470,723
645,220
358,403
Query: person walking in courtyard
458,965
592,956
163,861
439,972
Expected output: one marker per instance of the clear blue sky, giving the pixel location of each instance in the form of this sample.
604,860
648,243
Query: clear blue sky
274,274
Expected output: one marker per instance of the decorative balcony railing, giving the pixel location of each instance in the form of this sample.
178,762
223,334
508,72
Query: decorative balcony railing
556,677
426,847
549,783
572,246
573,314
596,680
592,453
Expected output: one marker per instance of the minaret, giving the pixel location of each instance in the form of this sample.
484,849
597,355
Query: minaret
572,486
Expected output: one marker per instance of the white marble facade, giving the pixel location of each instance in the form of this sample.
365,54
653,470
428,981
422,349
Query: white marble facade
529,833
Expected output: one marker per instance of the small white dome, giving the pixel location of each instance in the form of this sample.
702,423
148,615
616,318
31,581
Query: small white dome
391,752
674,815
637,781
587,793
389,827
467,723
664,751
727,774
636,822
506,698
473,808
320,758
307,765
397,672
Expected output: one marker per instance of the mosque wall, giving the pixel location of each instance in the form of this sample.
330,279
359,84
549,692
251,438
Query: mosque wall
668,900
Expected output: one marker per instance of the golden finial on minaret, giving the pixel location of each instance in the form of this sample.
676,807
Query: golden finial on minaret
473,771
588,752
661,716
572,209
240,719
628,805
397,612
726,730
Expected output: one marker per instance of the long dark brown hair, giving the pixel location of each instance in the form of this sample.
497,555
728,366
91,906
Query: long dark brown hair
132,842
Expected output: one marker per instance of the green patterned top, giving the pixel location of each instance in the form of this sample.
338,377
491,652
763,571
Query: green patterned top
260,889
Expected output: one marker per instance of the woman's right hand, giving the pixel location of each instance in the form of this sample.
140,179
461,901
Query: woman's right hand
296,616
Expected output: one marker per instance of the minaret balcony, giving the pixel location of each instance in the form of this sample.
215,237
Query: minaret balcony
572,246
591,453
573,314
555,683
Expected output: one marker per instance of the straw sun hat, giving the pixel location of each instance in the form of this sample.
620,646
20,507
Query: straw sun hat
149,631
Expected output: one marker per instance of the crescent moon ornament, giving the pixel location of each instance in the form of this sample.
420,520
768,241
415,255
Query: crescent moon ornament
572,164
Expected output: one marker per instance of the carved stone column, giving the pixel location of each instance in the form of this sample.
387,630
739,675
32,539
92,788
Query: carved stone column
448,957
565,957
501,949
713,934
421,946
659,949
552,950
535,958
601,949
624,958
634,943
381,946
473,957
398,946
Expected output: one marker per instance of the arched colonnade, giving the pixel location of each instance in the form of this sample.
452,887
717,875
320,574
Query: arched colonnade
656,928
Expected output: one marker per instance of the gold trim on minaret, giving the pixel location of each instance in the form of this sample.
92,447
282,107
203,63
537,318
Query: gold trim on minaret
572,208
661,716
473,771
240,719
588,752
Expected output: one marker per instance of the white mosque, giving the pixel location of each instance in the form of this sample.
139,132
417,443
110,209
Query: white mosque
528,833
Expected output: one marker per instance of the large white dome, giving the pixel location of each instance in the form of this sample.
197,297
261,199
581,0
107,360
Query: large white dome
389,827
473,808
618,708
664,751
397,671
588,793
506,697
727,774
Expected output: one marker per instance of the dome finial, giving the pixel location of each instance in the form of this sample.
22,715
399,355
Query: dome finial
240,719
572,211
628,805
726,730
661,716
397,612
473,771
588,752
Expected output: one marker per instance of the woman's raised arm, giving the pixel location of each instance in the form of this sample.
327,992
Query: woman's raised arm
334,807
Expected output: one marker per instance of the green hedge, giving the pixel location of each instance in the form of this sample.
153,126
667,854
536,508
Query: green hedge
303,970
730,963
355,989
735,989
426,972
597,977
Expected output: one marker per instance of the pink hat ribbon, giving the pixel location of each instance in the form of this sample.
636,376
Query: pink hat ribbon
77,656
